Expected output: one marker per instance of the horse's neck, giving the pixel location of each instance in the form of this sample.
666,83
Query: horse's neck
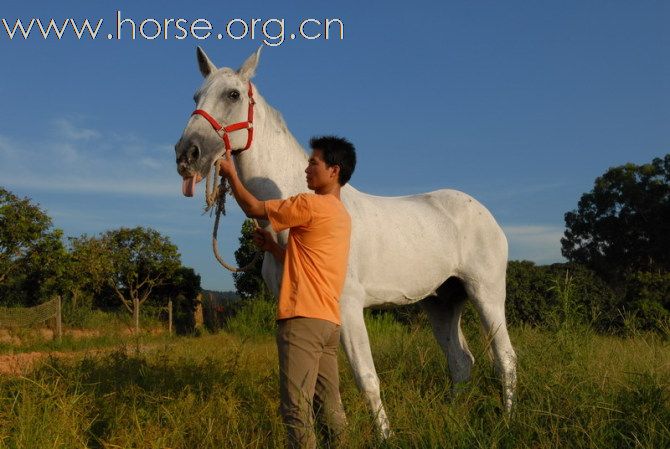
274,164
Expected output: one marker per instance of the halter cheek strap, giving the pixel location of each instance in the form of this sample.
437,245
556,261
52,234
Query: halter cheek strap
223,131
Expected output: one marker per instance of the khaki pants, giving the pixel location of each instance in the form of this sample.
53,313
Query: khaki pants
308,380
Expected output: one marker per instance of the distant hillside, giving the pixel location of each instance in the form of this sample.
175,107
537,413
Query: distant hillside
222,298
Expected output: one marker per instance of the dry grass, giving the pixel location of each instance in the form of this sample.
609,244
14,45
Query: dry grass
576,389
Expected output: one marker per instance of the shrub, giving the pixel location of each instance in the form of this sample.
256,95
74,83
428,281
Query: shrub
528,300
552,294
648,300
254,317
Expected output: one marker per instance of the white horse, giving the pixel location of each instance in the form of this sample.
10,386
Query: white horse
443,245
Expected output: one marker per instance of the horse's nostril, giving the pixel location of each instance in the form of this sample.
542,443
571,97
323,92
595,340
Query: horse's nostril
193,153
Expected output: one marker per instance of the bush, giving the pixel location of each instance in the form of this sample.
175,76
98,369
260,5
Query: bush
552,294
183,315
253,317
593,301
76,315
648,300
528,298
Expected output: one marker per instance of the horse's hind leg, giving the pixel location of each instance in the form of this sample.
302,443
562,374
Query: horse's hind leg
444,312
490,302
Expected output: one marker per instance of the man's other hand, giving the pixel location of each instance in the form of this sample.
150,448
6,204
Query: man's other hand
263,239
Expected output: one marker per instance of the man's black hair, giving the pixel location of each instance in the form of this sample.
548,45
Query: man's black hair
336,151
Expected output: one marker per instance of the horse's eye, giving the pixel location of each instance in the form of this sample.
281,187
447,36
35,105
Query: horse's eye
234,94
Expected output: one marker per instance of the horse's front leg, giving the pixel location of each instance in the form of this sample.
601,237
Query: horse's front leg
354,338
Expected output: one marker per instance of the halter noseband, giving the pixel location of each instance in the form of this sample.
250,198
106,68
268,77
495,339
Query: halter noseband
223,131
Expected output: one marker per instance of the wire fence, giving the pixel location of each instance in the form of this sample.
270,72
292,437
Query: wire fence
29,316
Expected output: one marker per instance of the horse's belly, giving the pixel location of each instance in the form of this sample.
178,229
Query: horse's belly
404,259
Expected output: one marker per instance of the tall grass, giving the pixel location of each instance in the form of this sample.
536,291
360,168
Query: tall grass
575,389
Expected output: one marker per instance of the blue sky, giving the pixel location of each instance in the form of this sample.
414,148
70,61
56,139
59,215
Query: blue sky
520,104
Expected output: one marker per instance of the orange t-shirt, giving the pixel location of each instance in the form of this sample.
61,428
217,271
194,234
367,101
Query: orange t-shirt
315,264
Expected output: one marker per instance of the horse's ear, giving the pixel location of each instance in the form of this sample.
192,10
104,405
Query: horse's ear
248,69
206,66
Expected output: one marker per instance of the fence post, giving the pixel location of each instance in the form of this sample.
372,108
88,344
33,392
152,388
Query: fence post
59,319
170,317
136,314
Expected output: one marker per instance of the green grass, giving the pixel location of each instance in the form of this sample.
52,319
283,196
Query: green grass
576,389
111,329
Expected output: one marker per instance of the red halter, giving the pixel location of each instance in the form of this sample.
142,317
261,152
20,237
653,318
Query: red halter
223,131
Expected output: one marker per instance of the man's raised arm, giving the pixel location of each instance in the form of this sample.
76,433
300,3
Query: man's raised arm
252,207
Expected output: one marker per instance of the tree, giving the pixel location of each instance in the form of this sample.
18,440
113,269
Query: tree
248,283
623,225
31,252
89,268
43,268
183,289
141,260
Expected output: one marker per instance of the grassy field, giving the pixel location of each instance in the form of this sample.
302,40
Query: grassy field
576,389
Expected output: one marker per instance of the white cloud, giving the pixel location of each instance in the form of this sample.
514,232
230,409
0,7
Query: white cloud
7,149
539,243
152,163
72,158
532,231
90,185
66,152
524,190
70,131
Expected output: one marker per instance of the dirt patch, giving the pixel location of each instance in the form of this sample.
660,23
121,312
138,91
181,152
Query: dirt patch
78,334
17,337
17,364
20,364
7,337
150,331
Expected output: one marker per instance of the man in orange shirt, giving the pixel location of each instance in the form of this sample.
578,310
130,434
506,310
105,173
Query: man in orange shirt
315,263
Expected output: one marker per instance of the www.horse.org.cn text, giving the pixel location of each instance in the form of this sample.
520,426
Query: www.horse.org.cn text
271,32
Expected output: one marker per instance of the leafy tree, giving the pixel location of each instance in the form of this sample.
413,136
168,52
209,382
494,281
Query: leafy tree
248,283
43,268
183,289
623,225
141,260
89,269
31,252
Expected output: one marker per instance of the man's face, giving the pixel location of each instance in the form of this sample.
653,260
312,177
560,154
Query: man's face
319,175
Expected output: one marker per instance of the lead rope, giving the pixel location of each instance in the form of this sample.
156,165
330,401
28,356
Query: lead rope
215,195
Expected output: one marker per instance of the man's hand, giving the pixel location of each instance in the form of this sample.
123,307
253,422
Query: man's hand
226,165
249,204
263,239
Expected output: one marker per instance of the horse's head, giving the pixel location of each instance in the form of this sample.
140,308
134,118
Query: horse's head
224,96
